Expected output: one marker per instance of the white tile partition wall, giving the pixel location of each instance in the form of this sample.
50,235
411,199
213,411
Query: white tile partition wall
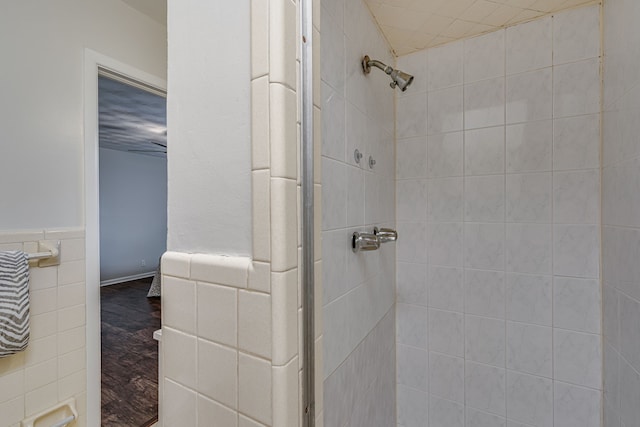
53,367
498,209
239,317
621,225
358,292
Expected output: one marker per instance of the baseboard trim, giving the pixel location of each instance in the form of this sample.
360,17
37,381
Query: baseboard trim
127,278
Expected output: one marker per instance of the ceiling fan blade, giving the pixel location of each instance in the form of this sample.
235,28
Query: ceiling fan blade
147,151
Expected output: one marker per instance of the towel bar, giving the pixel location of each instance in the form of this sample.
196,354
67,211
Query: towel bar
48,254
63,423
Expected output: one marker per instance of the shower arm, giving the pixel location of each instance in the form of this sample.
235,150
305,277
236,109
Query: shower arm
367,63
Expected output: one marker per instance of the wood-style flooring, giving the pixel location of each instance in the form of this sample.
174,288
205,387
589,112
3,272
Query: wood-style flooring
129,354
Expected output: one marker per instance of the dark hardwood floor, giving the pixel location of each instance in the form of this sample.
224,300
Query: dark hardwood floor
129,355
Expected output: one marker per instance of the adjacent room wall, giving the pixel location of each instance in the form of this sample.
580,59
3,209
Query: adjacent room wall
621,213
41,122
498,209
358,300
41,107
133,214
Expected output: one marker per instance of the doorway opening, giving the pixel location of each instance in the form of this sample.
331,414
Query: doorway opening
132,141
132,262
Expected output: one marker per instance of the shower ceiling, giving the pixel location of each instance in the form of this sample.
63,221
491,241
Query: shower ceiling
412,25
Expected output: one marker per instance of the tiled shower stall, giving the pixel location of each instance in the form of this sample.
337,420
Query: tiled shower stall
497,152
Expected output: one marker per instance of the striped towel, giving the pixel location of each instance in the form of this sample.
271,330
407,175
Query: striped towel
14,302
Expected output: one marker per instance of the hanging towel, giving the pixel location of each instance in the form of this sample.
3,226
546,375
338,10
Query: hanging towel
14,302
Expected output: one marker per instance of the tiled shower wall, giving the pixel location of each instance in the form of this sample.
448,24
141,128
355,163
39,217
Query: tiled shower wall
498,210
621,213
358,302
53,367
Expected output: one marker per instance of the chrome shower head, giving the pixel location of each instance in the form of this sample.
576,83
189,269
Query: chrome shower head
400,79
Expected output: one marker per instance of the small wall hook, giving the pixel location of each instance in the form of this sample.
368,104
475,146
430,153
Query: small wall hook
372,162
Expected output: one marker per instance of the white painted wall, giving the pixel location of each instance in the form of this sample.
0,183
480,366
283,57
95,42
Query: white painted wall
41,104
208,114
133,213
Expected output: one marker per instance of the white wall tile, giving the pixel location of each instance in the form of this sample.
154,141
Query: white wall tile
576,142
576,197
529,96
411,321
412,406
446,288
411,283
576,34
254,323
414,246
529,46
417,63
629,332
445,196
529,298
179,357
529,399
575,250
445,155
484,246
529,197
334,195
444,110
484,293
412,367
577,358
333,123
485,340
444,67
485,388
413,113
411,158
444,244
254,388
483,419
484,198
184,404
484,57
211,412
411,200
445,413
217,372
217,309
446,377
484,151
446,332
629,394
576,88
355,196
484,103
529,248
529,349
178,304
577,304
576,406
529,147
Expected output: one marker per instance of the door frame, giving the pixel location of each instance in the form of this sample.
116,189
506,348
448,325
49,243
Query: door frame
93,61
